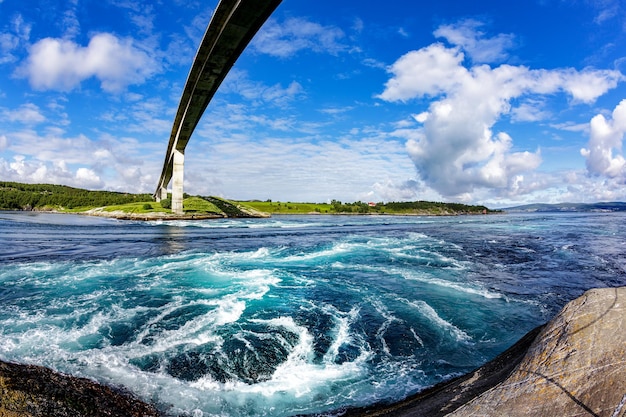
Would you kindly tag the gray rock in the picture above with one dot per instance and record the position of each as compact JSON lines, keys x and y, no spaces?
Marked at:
{"x":575,"y":367}
{"x":36,"y":391}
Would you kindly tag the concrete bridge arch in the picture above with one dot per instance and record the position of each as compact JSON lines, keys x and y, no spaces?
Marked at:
{"x":232,"y":27}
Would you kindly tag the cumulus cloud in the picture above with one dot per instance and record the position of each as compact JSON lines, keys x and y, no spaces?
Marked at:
{"x":23,"y":169}
{"x":117,"y":163}
{"x":88,"y":178}
{"x":604,"y":155}
{"x":296,"y":34}
{"x":456,"y":151}
{"x":59,"y":64}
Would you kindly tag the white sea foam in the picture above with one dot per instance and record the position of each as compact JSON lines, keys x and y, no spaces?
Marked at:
{"x":427,"y":278}
{"x":467,"y":288}
{"x":336,"y":249}
{"x":430,"y":313}
{"x":389,"y":319}
{"x":341,"y":333}
{"x":417,"y":338}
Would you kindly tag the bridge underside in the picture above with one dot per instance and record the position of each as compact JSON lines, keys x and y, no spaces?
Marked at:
{"x":232,"y":27}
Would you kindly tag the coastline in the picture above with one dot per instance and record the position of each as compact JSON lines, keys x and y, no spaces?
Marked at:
{"x":122,"y":215}
{"x":160,"y":216}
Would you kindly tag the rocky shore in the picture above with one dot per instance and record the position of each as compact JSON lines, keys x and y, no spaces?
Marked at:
{"x":573,"y":366}
{"x":35,"y":391}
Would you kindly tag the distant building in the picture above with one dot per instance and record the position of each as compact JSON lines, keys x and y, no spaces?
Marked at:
{"x":371,"y":204}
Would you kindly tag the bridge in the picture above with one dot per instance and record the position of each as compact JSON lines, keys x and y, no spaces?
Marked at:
{"x":232,"y":27}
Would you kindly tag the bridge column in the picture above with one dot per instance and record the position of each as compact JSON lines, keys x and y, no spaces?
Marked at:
{"x":161,"y":194}
{"x":177,"y":182}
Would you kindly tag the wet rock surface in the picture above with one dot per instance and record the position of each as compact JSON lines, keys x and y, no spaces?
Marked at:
{"x":35,"y":391}
{"x":575,"y":367}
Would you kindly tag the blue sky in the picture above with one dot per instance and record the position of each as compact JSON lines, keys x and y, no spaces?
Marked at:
{"x":483,"y":102}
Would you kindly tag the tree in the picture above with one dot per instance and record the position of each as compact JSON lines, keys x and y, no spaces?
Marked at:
{"x":166,"y":203}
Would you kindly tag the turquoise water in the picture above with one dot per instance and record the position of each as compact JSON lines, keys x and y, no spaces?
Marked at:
{"x":293,"y":314}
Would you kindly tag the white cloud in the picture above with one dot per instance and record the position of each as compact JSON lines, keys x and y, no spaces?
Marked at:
{"x":571,"y":126}
{"x":296,"y":34}
{"x":587,"y":85}
{"x":238,"y":82}
{"x":23,"y":169}
{"x":11,"y":41}
{"x":8,"y":43}
{"x":58,"y":64}
{"x":604,"y":153}
{"x":146,"y":115}
{"x":480,"y":49}
{"x":117,"y":163}
{"x":28,"y":114}
{"x":195,"y":31}
{"x":88,"y":178}
{"x":4,"y":142}
{"x":429,"y":71}
{"x":235,"y":155}
{"x":456,"y":152}
{"x":607,"y":10}
{"x":70,"y":22}
{"x":529,"y":111}
{"x":336,"y":110}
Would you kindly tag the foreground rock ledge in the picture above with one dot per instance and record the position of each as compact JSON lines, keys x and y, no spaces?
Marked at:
{"x":35,"y":391}
{"x":573,"y":366}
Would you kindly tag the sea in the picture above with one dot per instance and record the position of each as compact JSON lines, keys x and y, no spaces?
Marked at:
{"x":289,"y":315}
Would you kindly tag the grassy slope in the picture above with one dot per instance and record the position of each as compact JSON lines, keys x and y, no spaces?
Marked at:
{"x":190,"y":204}
{"x":288,"y":208}
{"x":422,"y":208}
{"x":17,"y":196}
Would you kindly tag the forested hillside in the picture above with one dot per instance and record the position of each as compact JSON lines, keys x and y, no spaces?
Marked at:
{"x":359,"y":207}
{"x":17,"y":196}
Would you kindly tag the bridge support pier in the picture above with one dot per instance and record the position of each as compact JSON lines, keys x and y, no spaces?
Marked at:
{"x":177,"y":182}
{"x":161,"y":194}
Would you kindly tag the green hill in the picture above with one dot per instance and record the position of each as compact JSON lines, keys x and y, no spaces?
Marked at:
{"x":49,"y":197}
{"x":17,"y":196}
{"x":421,"y":208}
{"x":60,"y":198}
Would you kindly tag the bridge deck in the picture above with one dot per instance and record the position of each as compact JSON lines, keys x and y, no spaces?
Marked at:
{"x":232,"y":27}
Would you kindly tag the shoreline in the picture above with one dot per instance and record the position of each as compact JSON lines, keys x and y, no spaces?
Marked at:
{"x":121,"y":215}
{"x":156,"y":216}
